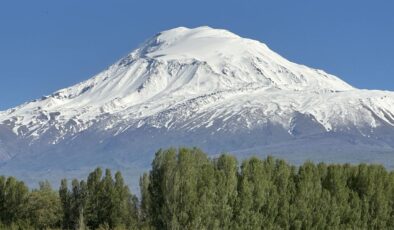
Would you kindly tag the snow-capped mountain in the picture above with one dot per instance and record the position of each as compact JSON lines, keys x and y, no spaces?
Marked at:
{"x":196,"y":87}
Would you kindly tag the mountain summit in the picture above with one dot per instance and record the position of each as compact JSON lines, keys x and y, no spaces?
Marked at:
{"x":202,"y":87}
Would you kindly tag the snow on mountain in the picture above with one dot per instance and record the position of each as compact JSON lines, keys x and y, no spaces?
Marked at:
{"x":205,"y":87}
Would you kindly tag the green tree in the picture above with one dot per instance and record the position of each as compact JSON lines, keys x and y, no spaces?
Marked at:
{"x":182,"y":190}
{"x":126,"y":211}
{"x":44,"y":207}
{"x":65,"y":200}
{"x":93,"y":202}
{"x":14,"y":199}
{"x":307,"y":203}
{"x":145,"y":215}
{"x":226,"y":172}
{"x":255,"y":198}
{"x":163,"y":204}
{"x":283,"y":179}
{"x":108,"y":202}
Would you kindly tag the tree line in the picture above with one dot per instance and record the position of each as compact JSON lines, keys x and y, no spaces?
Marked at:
{"x":186,"y":189}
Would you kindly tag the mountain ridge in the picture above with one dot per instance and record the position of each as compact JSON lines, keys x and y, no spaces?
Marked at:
{"x":195,"y":87}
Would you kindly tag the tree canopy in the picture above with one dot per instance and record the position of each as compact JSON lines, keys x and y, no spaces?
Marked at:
{"x":186,"y":189}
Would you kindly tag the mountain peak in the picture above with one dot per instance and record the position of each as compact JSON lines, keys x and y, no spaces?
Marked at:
{"x":181,"y":64}
{"x":232,"y":59}
{"x":201,"y":32}
{"x":188,"y":87}
{"x":183,"y":34}
{"x":181,"y":42}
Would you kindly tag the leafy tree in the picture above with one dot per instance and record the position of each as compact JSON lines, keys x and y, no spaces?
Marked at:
{"x":65,"y":200}
{"x":145,"y":214}
{"x":307,"y":200}
{"x":44,"y":207}
{"x":126,"y":210}
{"x":108,"y":202}
{"x":226,"y":173}
{"x":93,"y":202}
{"x":254,"y":190}
{"x":284,"y":181}
{"x":13,"y":201}
{"x":163,"y":204}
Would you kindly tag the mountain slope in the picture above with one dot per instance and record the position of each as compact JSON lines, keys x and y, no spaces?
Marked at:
{"x":203,"y":87}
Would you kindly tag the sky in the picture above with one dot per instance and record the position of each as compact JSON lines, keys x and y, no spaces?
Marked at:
{"x":46,"y":45}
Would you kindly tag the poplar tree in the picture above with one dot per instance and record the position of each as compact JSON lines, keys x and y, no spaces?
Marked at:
{"x":226,"y":173}
{"x":254,"y":187}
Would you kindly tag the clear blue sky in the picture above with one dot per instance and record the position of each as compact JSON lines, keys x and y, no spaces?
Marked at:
{"x":46,"y":45}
